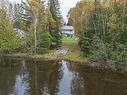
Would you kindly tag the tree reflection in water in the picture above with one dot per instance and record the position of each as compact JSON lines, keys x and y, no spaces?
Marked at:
{"x":37,"y":77}
{"x":47,"y":78}
{"x":21,"y":86}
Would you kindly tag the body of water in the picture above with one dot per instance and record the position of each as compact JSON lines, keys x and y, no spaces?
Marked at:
{"x":32,"y":77}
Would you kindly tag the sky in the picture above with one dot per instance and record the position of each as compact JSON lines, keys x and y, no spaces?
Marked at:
{"x":65,"y":6}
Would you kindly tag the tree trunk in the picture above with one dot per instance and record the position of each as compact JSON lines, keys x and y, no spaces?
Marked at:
{"x":35,"y":31}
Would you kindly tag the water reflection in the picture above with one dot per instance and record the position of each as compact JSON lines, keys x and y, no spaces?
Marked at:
{"x":65,"y":82}
{"x":34,"y":77}
{"x":8,"y":73}
{"x":21,"y":86}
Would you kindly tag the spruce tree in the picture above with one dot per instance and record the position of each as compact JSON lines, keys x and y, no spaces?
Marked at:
{"x":8,"y":38}
{"x":54,"y":7}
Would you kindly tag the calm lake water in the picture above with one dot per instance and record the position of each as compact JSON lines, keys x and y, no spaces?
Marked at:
{"x":31,"y":77}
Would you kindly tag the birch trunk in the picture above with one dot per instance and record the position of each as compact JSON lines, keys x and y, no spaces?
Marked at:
{"x":35,"y":31}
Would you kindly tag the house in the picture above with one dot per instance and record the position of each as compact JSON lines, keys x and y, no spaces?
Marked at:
{"x":68,"y":31}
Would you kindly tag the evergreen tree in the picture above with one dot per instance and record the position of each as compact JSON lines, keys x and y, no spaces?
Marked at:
{"x":34,"y":12}
{"x":44,"y":42}
{"x":54,"y":7}
{"x":8,"y":38}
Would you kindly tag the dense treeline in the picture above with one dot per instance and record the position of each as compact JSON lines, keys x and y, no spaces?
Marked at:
{"x":35,"y":24}
{"x":102,"y":28}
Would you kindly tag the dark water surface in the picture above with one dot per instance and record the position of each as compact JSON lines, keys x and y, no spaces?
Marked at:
{"x":30,"y":77}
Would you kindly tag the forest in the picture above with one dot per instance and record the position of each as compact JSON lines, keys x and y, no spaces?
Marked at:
{"x":34,"y":27}
{"x":37,"y":25}
{"x":101,"y":26}
{"x":42,"y":53}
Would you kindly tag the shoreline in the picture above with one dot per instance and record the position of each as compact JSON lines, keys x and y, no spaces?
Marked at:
{"x":47,"y":57}
{"x":70,"y":58}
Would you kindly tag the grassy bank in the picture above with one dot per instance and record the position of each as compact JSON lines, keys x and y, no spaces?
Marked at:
{"x":70,"y":56}
{"x":47,"y":56}
{"x":69,"y":41}
{"x":73,"y":55}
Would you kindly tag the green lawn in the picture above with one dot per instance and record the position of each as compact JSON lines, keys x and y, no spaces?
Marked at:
{"x":69,"y":41}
